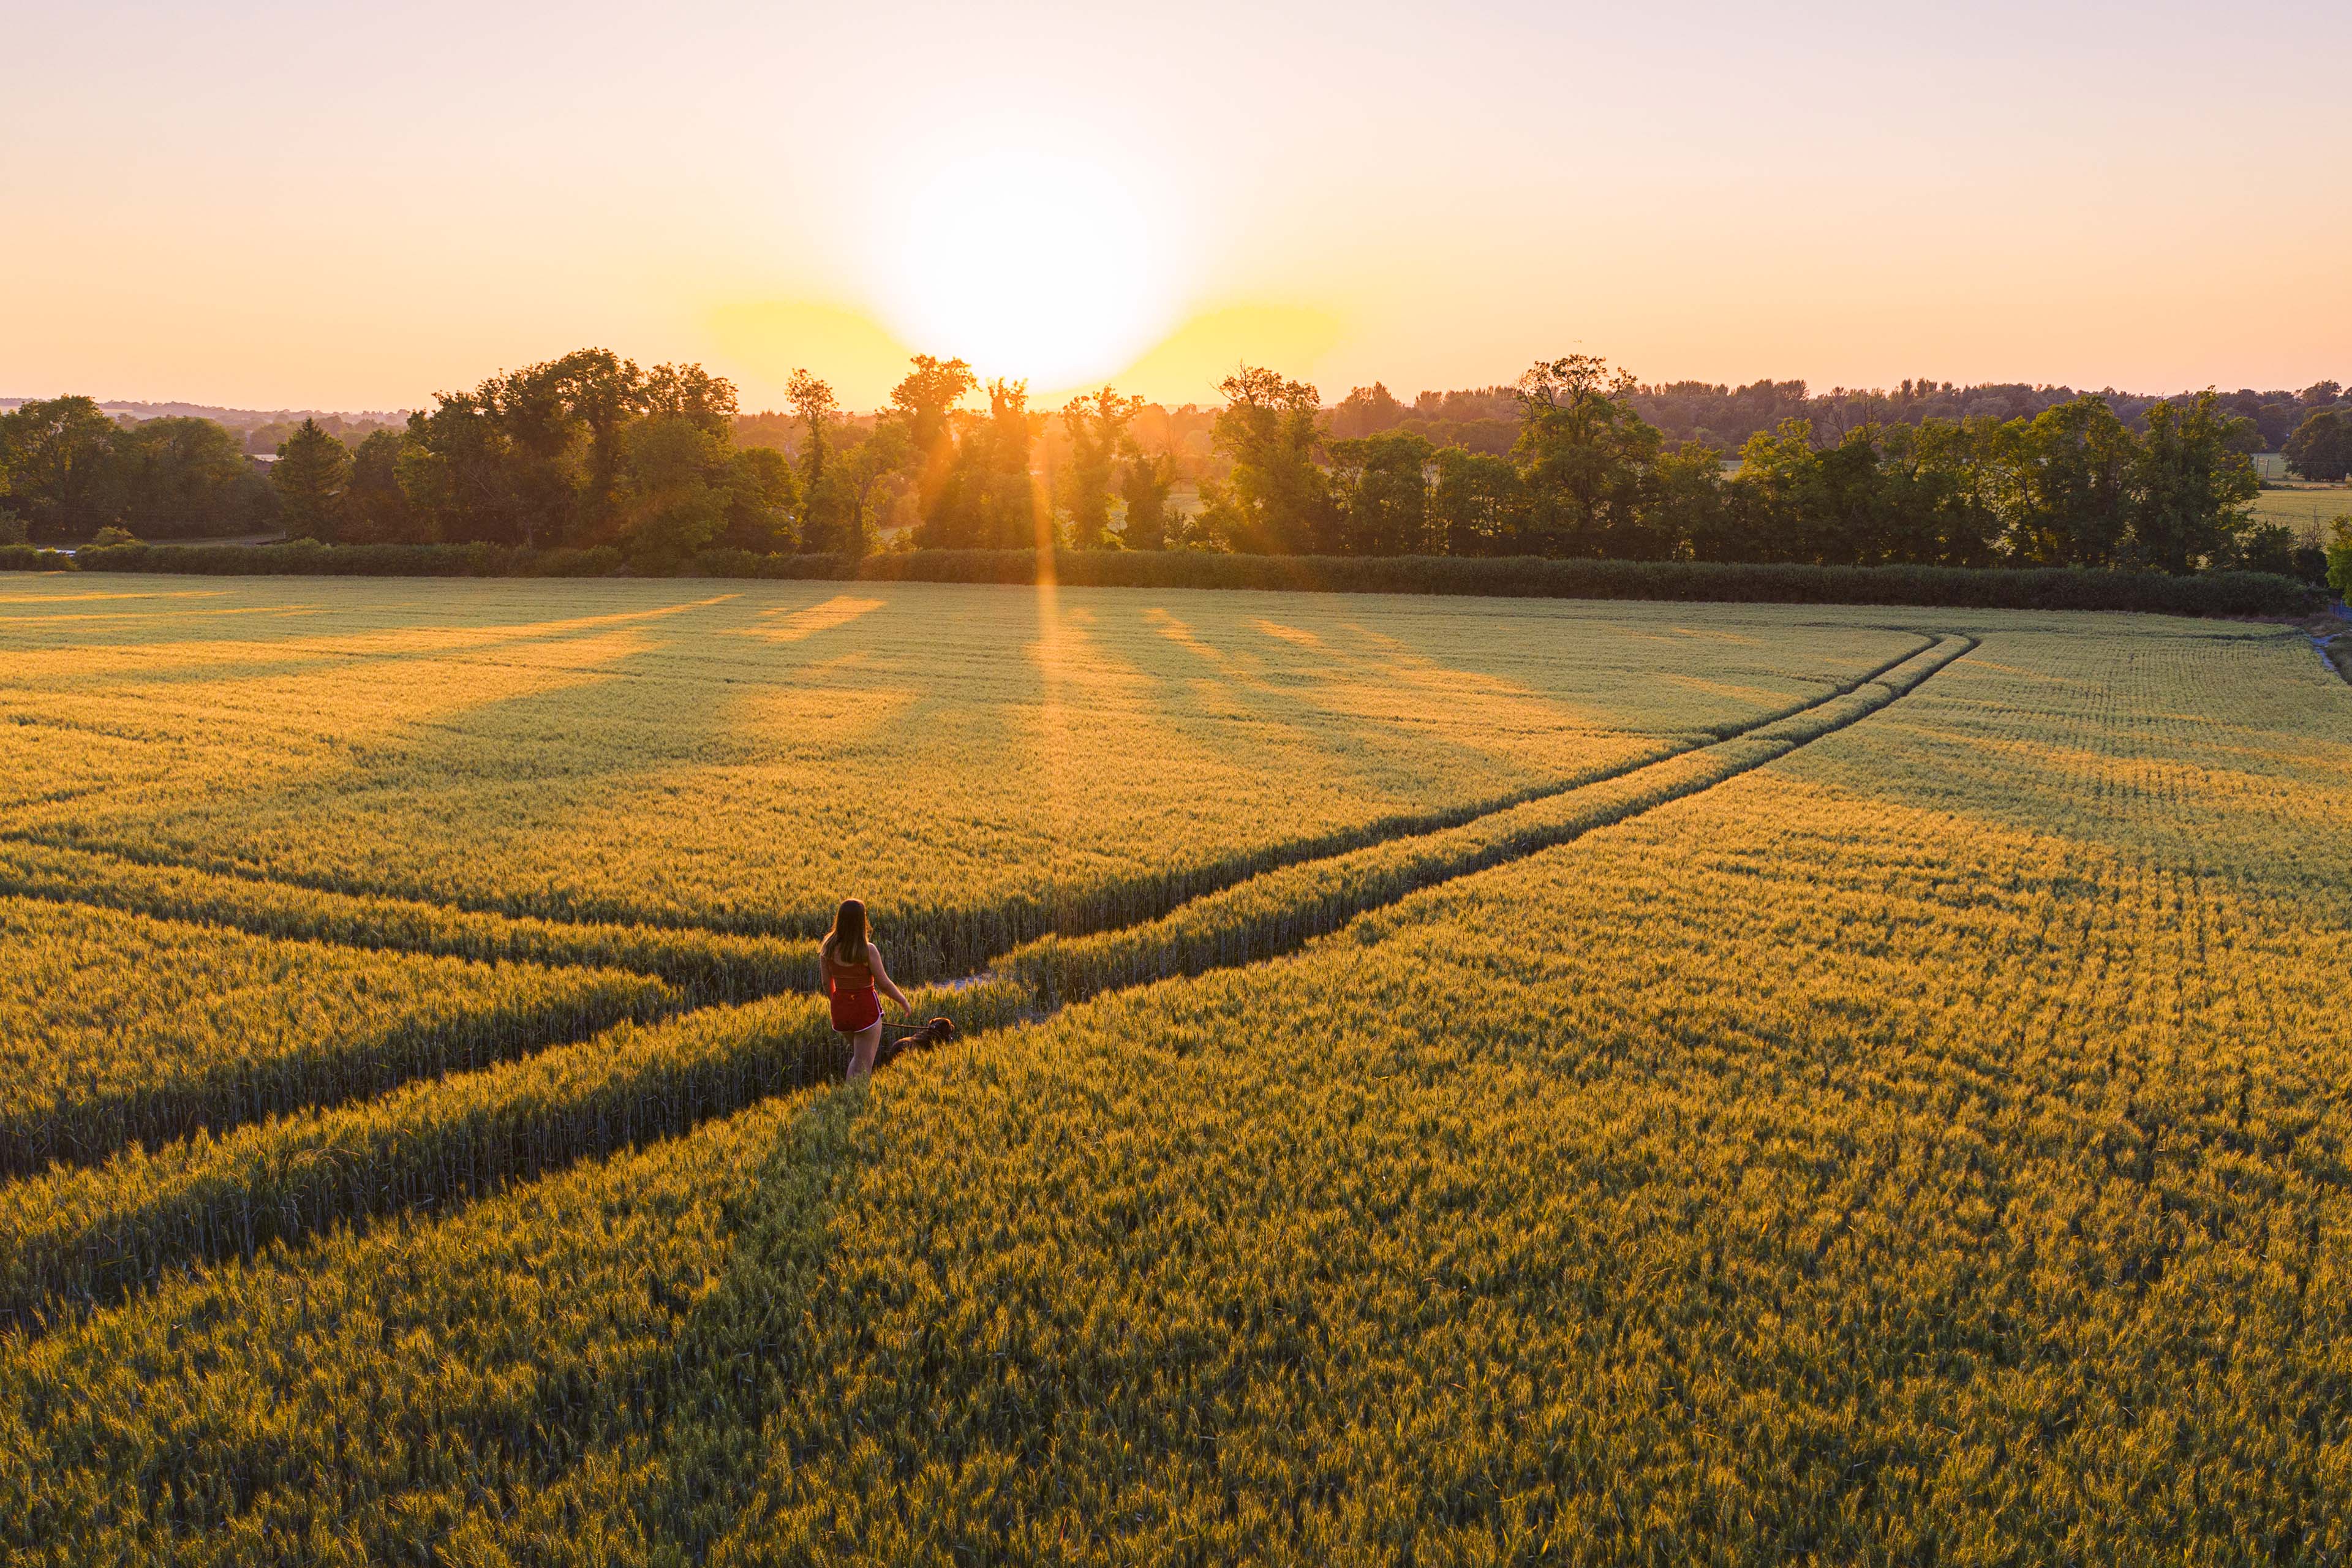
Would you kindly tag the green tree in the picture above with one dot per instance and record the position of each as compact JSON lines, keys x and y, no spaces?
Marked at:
{"x":187,"y":479}
{"x":2191,"y":486}
{"x":59,"y":455}
{"x":874,"y":474}
{"x":1691,"y":504}
{"x":1366,"y":411}
{"x":540,"y":429}
{"x":670,"y":505}
{"x":1939,"y":493}
{"x":312,"y":471}
{"x":1276,"y":500}
{"x":988,"y":501}
{"x":603,"y":393}
{"x":2321,"y":447}
{"x":925,"y":400}
{"x":1381,"y":485}
{"x":762,"y":497}
{"x":454,"y":471}
{"x":828,"y":526}
{"x":375,"y":510}
{"x":1584,"y":458}
{"x":1096,"y":424}
{"x":2339,"y":556}
{"x":1145,"y":479}
{"x":2066,"y":476}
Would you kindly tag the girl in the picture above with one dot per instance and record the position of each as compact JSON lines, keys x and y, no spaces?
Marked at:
{"x":852,"y":968}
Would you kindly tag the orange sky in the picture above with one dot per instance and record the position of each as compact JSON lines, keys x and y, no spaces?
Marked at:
{"x":274,"y":205}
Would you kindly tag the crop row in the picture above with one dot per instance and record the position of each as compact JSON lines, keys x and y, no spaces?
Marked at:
{"x":76,"y":1237}
{"x":117,"y":1029}
{"x":346,"y":1403}
{"x":1281,"y":911}
{"x":703,"y":966}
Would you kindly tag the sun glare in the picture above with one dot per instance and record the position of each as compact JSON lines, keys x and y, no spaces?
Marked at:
{"x":1036,"y":265}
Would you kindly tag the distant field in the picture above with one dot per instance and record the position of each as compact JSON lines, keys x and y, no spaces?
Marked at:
{"x":2306,"y":509}
{"x":1462,"y":1081}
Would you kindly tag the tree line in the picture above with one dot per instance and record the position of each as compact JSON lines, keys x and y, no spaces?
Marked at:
{"x":590,"y":452}
{"x":1585,"y":475}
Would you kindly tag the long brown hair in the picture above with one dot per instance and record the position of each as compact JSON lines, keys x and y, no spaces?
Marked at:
{"x":848,"y":934}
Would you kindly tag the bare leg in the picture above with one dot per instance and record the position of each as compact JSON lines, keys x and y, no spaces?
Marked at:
{"x":863,"y":1045}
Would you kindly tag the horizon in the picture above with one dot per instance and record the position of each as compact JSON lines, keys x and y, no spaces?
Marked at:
{"x":1331,"y":399}
{"x":357,"y":211}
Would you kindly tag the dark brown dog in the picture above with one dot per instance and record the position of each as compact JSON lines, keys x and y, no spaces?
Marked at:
{"x":937,"y":1032}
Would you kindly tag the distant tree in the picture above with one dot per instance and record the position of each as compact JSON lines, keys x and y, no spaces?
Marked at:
{"x":1096,"y":424}
{"x":2321,"y":447}
{"x":1367,"y":410}
{"x":1145,"y":479}
{"x":177,"y":477}
{"x":2321,"y":393}
{"x":876,"y":474}
{"x":2265,"y":547}
{"x":57,"y":454}
{"x":312,"y":471}
{"x":1381,"y":485}
{"x":539,"y":428}
{"x":988,"y":501}
{"x":761,"y":501}
{"x":2067,"y":473}
{"x":1691,"y":505}
{"x":2190,"y":489}
{"x":375,"y":510}
{"x":2339,"y":556}
{"x":11,"y":528}
{"x":1584,"y":458}
{"x":925,"y":400}
{"x":603,"y":393}
{"x":454,"y":472}
{"x":1821,"y":505}
{"x":1276,"y":500}
{"x":826,"y":525}
{"x":670,"y":506}
{"x":688,"y":392}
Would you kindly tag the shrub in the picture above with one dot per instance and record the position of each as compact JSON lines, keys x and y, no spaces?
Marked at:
{"x":2039,"y":588}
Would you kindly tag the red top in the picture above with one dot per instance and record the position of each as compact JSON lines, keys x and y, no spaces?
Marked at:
{"x":855,"y":1004}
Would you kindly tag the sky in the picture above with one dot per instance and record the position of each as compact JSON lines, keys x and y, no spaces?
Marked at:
{"x":354,"y":207}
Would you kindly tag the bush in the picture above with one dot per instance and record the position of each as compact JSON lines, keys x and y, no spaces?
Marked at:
{"x":33,"y":558}
{"x":2049,"y":588}
{"x":12,"y":528}
{"x":109,"y":536}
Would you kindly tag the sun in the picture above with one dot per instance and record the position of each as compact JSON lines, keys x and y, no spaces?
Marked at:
{"x":1028,"y":263}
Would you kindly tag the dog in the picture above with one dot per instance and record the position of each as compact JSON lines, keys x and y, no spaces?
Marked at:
{"x":937,"y":1032}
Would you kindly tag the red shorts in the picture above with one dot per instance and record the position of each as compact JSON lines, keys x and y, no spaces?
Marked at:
{"x":856,"y":1010}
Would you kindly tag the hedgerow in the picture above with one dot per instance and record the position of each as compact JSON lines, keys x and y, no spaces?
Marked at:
{"x":2025,"y":589}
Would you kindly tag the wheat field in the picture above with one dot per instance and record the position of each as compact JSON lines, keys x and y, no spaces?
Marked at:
{"x":1442,"y":1082}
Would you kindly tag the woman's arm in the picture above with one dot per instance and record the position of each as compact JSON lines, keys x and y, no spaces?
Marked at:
{"x":882,"y":979}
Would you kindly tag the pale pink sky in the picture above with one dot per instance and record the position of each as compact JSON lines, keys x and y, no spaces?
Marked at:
{"x":278,"y":206}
